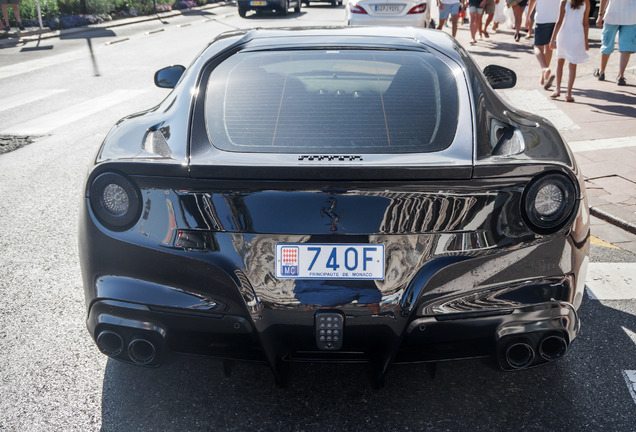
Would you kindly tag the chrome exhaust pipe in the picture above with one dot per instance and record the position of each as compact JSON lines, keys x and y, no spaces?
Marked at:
{"x":519,"y":355}
{"x":110,"y":343}
{"x":552,"y":347}
{"x":141,"y":351}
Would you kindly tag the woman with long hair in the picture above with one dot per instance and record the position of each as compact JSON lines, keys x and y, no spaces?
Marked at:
{"x":571,"y":42}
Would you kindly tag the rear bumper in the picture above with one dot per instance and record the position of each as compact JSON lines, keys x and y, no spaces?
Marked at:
{"x":367,"y":338}
{"x":414,"y":20}
{"x":447,"y":293}
{"x":268,"y":5}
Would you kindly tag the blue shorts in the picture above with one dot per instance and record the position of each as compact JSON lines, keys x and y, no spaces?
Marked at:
{"x":449,"y":9}
{"x":626,"y":38}
{"x":475,"y":9}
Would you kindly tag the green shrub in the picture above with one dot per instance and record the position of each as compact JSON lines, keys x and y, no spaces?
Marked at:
{"x":29,"y":9}
{"x":70,"y":7}
{"x":98,"y":7}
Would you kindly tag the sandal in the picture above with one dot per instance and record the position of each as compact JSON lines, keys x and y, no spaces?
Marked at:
{"x":555,"y":95}
{"x":549,"y":82}
{"x":597,"y":73}
{"x":517,"y":37}
{"x":621,"y":81}
{"x":569,"y":99}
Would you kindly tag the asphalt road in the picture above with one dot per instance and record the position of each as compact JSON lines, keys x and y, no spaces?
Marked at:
{"x":69,"y":92}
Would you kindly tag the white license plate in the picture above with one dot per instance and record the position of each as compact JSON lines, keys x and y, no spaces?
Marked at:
{"x":388,"y":8}
{"x":329,"y":261}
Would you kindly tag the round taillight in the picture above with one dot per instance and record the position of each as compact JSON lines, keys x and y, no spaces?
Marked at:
{"x":115,"y":201}
{"x":548,"y":202}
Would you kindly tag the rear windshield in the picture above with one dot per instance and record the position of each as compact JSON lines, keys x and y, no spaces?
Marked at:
{"x":332,"y":101}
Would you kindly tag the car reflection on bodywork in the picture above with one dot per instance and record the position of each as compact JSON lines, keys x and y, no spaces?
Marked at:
{"x":334,"y":195}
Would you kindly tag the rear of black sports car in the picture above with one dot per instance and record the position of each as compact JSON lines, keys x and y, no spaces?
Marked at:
{"x":349,"y":195}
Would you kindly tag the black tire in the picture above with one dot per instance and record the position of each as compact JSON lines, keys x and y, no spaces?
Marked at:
{"x":334,"y":2}
{"x":242,"y":12}
{"x":284,"y":11}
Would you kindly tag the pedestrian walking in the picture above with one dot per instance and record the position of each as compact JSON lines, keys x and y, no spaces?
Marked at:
{"x":571,"y":42}
{"x":545,"y":18}
{"x":475,"y":11}
{"x":489,"y":11}
{"x":448,"y":9}
{"x":517,"y":10}
{"x":619,"y":17}
{"x":500,"y":14}
{"x":16,"y":12}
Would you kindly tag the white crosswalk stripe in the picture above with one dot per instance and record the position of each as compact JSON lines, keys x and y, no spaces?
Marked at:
{"x":28,"y":97}
{"x":535,"y":102}
{"x":630,"y":380}
{"x":40,"y":63}
{"x":611,"y":281}
{"x":47,"y":123}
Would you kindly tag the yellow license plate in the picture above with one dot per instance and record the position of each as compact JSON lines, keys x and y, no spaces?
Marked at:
{"x":258,"y":3}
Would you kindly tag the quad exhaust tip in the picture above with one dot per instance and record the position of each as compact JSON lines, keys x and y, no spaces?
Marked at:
{"x":110,"y":343}
{"x":519,"y":355}
{"x":552,"y":347}
{"x":141,"y":351}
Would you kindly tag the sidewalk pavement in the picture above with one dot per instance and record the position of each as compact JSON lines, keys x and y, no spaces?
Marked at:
{"x":600,"y":126}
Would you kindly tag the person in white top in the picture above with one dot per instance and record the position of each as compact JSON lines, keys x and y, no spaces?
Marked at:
{"x":617,"y":17}
{"x":546,"y":16}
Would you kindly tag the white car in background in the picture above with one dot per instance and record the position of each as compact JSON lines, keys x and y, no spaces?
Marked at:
{"x":415,"y":13}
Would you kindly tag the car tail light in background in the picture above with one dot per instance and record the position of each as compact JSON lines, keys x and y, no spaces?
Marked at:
{"x":356,"y":9}
{"x":420,"y":8}
{"x":115,"y":201}
{"x":548,"y":202}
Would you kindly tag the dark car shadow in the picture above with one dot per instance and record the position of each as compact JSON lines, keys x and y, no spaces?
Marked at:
{"x":192,"y":394}
{"x":272,"y":14}
{"x":89,"y":36}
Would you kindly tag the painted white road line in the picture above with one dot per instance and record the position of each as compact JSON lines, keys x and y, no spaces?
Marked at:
{"x":612,"y":281}
{"x":536,"y":102}
{"x":602,"y":144}
{"x":28,"y":97}
{"x":46,"y":123}
{"x":630,"y":380}
{"x":41,"y":63}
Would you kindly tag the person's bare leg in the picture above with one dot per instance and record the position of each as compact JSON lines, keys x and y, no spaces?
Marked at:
{"x":454,"y":20}
{"x":604,"y":61}
{"x":5,"y":14}
{"x":539,"y":52}
{"x":623,"y":63}
{"x":559,"y":75}
{"x":571,"y":76}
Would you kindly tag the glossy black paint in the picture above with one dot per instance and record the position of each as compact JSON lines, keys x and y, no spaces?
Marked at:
{"x":466,"y":275}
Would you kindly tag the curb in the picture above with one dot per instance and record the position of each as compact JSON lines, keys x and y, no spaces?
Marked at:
{"x":30,"y":36}
{"x":616,"y":221}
